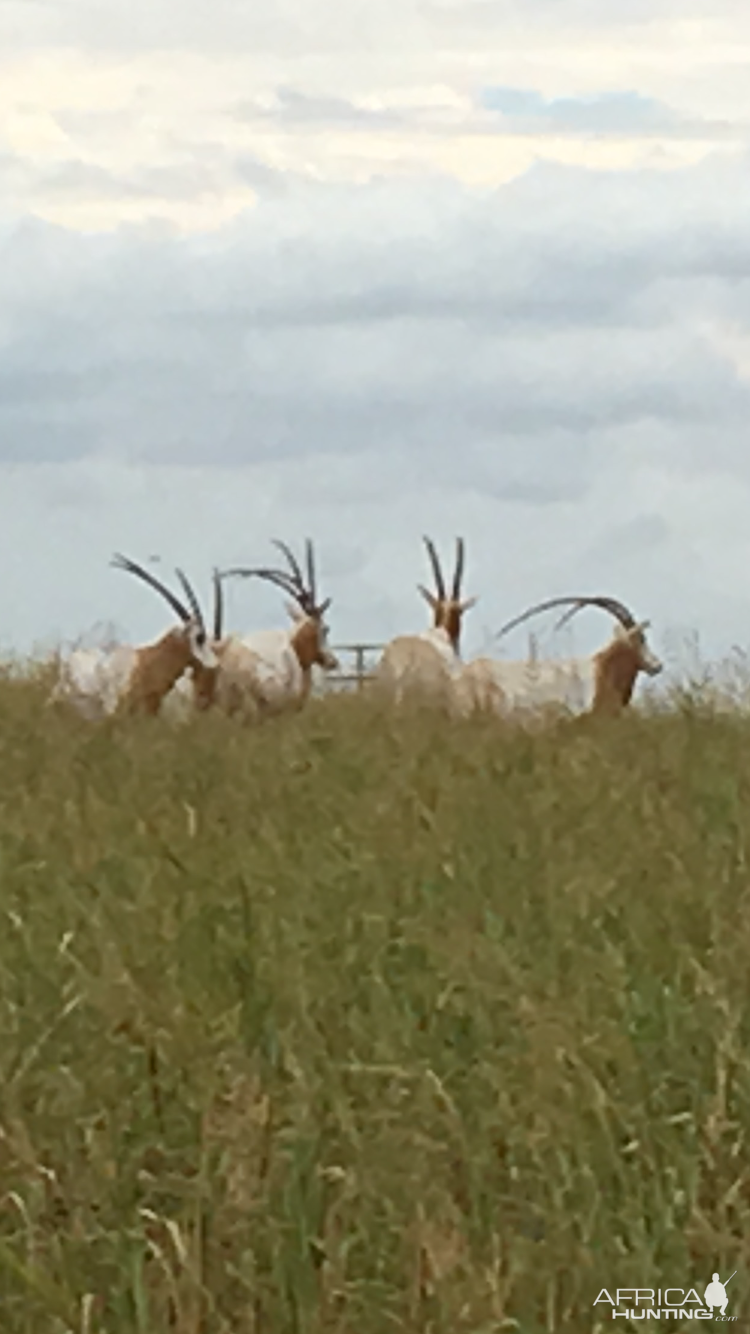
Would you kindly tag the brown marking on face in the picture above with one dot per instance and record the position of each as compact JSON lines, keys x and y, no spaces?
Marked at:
{"x":447,"y":614}
{"x":448,"y":617}
{"x":306,"y":643}
{"x":311,"y":651}
{"x":205,"y":680}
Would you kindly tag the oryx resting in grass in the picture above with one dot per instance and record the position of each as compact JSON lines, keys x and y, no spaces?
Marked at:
{"x":601,"y":683}
{"x":424,"y":664}
{"x":270,"y":671}
{"x":100,"y":682}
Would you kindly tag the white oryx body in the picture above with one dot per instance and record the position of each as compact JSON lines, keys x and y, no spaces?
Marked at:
{"x":601,"y":683}
{"x":261,"y":673}
{"x":513,"y":687}
{"x":424,"y":665}
{"x":269,"y":671}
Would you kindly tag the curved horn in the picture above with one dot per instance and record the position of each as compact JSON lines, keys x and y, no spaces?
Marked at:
{"x":615,"y":608}
{"x":120,"y":562}
{"x":437,"y":572}
{"x":283,"y":581}
{"x":612,"y":605}
{"x":296,"y":571}
{"x":278,"y":577}
{"x":618,"y":609}
{"x":218,"y":605}
{"x":192,"y":599}
{"x":459,"y":571}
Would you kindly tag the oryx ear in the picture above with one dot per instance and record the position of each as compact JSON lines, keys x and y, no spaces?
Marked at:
{"x":429,"y":597}
{"x":467,"y":604}
{"x":323,"y":608}
{"x":293,"y":611}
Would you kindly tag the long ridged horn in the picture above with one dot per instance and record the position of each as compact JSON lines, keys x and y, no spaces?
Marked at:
{"x":192,"y":599}
{"x":278,"y":577}
{"x":612,"y":605}
{"x":120,"y":562}
{"x":294,"y":565}
{"x":310,"y":571}
{"x":283,"y":581}
{"x":459,"y":570}
{"x":615,"y":608}
{"x":437,"y":572}
{"x":218,"y":605}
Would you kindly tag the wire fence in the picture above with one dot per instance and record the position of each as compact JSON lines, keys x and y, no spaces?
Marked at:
{"x":358,"y":663}
{"x":357,"y":666}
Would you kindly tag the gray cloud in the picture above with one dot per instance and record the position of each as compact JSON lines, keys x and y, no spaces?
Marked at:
{"x":261,"y":178}
{"x":532,"y":366}
{"x":296,"y":109}
{"x":499,"y":110}
{"x":432,"y":319}
{"x":187,"y":177}
{"x":83,"y":180}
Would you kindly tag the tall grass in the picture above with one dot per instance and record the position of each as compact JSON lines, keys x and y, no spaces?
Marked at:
{"x":359,"y":1023}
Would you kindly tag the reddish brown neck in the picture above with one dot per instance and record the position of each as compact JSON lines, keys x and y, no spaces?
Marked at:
{"x":159,"y":666}
{"x":616,"y":671}
{"x":306,"y":643}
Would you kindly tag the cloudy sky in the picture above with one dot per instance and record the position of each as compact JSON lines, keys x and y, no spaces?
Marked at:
{"x":365,"y":271}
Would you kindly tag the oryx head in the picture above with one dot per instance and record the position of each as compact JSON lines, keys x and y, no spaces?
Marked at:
{"x":447,"y":609}
{"x":193,"y":628}
{"x":305,"y":610}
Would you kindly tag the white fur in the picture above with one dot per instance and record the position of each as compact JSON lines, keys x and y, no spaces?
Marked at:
{"x":513,"y":687}
{"x":440,"y":640}
{"x":93,"y":680}
{"x":260,"y":673}
{"x":178,"y":706}
{"x":426,"y":663}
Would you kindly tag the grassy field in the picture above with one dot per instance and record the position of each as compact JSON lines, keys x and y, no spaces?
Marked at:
{"x":361,"y":1024}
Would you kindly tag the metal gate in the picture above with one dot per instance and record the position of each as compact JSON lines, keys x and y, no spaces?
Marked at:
{"x":357,"y":666}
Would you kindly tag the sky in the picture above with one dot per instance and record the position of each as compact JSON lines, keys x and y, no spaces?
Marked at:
{"x":362,"y":272}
